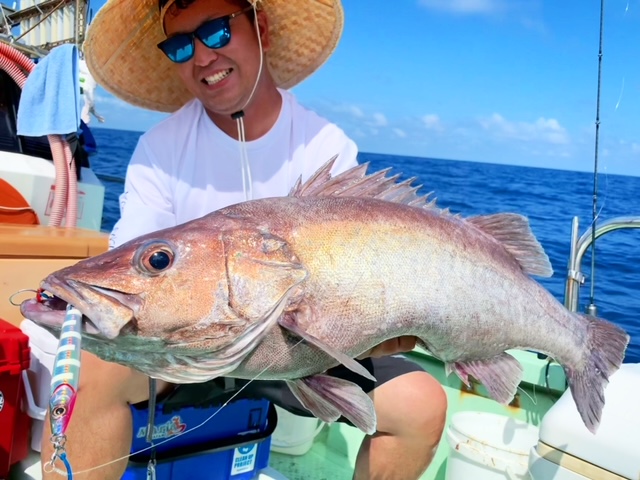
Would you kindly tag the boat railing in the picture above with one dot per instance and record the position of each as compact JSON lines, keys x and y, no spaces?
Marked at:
{"x":579,"y":246}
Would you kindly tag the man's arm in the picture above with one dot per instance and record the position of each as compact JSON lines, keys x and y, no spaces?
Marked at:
{"x":146,"y":203}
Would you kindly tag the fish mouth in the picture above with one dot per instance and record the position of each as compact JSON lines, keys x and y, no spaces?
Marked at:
{"x":105,"y":312}
{"x":50,"y":313}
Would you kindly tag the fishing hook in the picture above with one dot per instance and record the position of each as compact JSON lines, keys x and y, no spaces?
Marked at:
{"x":40,"y":295}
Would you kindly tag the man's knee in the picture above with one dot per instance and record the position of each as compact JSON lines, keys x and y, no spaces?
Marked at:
{"x":432,"y":417}
{"x":412,"y":405}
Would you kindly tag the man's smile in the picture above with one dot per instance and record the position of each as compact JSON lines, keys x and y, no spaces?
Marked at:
{"x":218,"y":76}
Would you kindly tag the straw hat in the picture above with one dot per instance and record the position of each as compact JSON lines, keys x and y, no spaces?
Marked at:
{"x":121,"y":53}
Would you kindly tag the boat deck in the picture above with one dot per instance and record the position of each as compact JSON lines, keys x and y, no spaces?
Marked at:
{"x":334,"y":451}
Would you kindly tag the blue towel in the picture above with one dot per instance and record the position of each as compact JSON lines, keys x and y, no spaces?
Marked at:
{"x":50,"y":100}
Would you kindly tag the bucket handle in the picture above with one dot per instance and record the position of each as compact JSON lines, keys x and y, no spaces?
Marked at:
{"x":33,"y":410}
{"x":487,"y":459}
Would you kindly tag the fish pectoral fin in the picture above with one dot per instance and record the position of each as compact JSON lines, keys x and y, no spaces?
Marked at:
{"x":500,"y":375}
{"x":288,"y":322}
{"x":328,"y":398}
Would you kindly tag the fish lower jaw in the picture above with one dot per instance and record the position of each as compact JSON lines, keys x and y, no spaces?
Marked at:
{"x":42,"y":314}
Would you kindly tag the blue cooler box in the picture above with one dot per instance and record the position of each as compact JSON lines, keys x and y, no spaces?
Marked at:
{"x":234,"y":444}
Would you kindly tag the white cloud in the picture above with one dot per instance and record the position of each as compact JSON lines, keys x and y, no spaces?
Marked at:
{"x":545,"y":130}
{"x":353,"y":114}
{"x":379,"y":120}
{"x":358,"y":132}
{"x":528,"y":13}
{"x":351,"y":110}
{"x":400,"y":133}
{"x":432,"y":122}
{"x":465,"y":7}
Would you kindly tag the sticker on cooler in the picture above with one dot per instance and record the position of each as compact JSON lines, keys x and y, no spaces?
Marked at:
{"x":1,"y":401}
{"x":244,"y":459}
{"x":170,"y":428}
{"x":52,"y":193}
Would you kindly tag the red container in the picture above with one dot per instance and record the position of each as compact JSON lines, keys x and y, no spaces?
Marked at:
{"x":15,"y":357}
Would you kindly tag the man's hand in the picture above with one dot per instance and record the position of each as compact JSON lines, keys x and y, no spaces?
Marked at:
{"x":391,"y":347}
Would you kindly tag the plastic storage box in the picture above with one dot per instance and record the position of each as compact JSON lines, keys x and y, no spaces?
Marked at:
{"x":43,"y":346}
{"x":197,"y":443}
{"x":14,"y":421}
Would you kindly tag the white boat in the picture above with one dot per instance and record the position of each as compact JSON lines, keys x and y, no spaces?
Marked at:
{"x":538,"y":436}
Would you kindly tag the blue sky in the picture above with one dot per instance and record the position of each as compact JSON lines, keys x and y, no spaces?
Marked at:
{"x":502,"y":81}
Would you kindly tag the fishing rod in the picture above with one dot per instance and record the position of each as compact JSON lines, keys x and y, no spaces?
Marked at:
{"x":591,"y":308}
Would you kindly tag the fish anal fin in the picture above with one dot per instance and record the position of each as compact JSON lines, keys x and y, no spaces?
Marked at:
{"x":288,"y":322}
{"x":514,"y":233}
{"x":328,"y":398}
{"x":500,"y":375}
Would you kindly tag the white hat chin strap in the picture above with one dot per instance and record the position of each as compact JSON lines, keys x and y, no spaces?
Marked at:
{"x":247,"y":184}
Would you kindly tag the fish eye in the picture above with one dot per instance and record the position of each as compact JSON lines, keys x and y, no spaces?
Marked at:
{"x":154,"y":258}
{"x":159,"y":260}
{"x":58,"y":412}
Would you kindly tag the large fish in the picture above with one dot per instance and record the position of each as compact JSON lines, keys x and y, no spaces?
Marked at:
{"x":286,"y":288}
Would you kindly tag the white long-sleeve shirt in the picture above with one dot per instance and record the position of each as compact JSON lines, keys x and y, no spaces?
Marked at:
{"x":186,"y":167}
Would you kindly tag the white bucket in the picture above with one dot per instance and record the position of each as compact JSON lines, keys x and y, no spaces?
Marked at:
{"x":294,"y":435}
{"x":485,"y":446}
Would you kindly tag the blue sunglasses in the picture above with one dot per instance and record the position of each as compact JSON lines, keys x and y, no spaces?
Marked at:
{"x":214,"y":33}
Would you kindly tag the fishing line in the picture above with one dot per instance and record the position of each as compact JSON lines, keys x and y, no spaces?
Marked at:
{"x":155,"y":445}
{"x":533,"y":399}
{"x":621,"y":94}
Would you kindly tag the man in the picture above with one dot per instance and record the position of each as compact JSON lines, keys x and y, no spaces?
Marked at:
{"x":87,"y":88}
{"x":237,"y":135}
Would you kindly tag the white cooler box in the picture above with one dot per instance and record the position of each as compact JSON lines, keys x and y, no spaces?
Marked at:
{"x":568,"y":451}
{"x":38,"y":387}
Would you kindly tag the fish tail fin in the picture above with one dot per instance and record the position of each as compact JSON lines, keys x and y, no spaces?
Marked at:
{"x":605,"y":350}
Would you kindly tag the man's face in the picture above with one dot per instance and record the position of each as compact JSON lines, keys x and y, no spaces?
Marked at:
{"x":221,"y":78}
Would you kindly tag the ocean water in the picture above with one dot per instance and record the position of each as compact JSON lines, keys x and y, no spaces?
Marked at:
{"x":549,"y":198}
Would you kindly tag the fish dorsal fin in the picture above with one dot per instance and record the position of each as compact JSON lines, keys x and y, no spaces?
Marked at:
{"x":514,"y":233}
{"x":356,"y":183}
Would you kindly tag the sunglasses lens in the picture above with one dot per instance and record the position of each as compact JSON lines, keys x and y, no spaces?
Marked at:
{"x":216,"y":33}
{"x":179,"y":48}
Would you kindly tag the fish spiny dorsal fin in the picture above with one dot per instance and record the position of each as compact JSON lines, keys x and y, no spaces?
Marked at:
{"x":513,"y":231}
{"x":355,"y":183}
{"x":322,"y":184}
{"x":321,"y":176}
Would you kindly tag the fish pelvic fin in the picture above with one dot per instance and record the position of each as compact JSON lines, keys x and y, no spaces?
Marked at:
{"x":288,"y":322}
{"x":514,"y":233}
{"x":605,"y":351}
{"x":500,"y":375}
{"x":356,"y":183}
{"x":328,"y":398}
